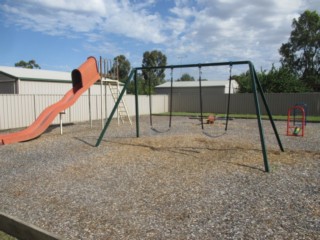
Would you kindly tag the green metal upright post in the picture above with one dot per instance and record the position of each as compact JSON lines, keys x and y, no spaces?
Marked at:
{"x":269,"y":112}
{"x":114,"y":108}
{"x":228,"y":104}
{"x":200,"y":94}
{"x":136,"y":103}
{"x":258,"y":112}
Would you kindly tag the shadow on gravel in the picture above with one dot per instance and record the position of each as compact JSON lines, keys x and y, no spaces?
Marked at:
{"x":86,"y":142}
{"x":194,"y":151}
{"x":52,"y":127}
{"x":246,"y":166}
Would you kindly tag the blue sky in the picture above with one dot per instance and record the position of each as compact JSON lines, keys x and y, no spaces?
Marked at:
{"x":61,"y":34}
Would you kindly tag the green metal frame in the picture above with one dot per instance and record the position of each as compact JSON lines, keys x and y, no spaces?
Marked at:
{"x":256,"y":87}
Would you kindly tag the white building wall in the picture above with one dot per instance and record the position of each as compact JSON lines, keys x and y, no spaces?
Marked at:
{"x":37,"y":87}
{"x":234,"y":87}
{"x":42,"y":87}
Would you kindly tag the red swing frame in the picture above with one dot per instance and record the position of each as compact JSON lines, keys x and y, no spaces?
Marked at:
{"x":294,"y":129}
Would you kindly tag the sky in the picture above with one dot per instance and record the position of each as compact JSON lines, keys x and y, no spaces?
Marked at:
{"x":61,"y":34}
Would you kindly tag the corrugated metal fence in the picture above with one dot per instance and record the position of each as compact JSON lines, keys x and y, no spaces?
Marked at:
{"x":21,"y":110}
{"x":243,"y":103}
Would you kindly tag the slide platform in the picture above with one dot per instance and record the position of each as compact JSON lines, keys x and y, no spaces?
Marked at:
{"x":82,"y":79}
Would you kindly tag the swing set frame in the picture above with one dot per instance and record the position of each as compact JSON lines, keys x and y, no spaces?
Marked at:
{"x":256,"y":88}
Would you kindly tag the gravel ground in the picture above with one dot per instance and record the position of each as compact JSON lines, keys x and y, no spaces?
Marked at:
{"x":178,"y":184}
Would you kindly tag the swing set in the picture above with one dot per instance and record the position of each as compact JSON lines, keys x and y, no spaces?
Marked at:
{"x":256,"y":87}
{"x":210,"y":119}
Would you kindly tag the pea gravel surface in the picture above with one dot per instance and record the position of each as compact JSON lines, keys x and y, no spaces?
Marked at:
{"x":184,"y":183}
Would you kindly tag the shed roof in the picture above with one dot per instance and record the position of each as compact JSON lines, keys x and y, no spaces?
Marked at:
{"x":213,"y":83}
{"x":35,"y":74}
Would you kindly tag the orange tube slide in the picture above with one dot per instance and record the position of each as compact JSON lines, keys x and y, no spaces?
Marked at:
{"x":82,"y":79}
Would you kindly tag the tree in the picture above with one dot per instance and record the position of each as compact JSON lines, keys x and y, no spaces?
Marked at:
{"x":301,"y":54}
{"x":31,"y":64}
{"x":140,"y":82}
{"x":123,"y":69}
{"x":275,"y":81}
{"x":281,"y":80}
{"x":244,"y":82}
{"x":186,"y":77}
{"x":153,"y":76}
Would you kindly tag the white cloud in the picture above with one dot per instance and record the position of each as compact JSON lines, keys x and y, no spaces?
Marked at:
{"x":231,"y":29}
{"x":103,"y":49}
{"x":141,"y":26}
{"x":58,"y":22}
{"x":62,"y":17}
{"x":204,"y":30}
{"x":92,"y":6}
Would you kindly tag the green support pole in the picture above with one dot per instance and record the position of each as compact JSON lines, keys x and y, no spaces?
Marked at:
{"x":200,"y":94}
{"x":114,"y":108}
{"x":136,"y":103}
{"x":258,"y":112}
{"x":269,"y":113}
{"x":228,"y":104}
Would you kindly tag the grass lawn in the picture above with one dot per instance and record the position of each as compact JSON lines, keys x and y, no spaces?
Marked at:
{"x":242,"y":116}
{"x":4,"y":236}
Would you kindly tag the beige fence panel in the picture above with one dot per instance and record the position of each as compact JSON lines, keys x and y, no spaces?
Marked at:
{"x":17,"y":111}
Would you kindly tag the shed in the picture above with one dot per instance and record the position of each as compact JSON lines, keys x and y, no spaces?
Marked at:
{"x":15,"y":80}
{"x":192,"y":87}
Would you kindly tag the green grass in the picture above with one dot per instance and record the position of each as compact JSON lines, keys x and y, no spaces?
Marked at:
{"x":4,"y":236}
{"x":240,"y":116}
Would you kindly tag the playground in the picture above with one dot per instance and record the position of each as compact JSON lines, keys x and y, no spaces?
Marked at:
{"x":185,"y":183}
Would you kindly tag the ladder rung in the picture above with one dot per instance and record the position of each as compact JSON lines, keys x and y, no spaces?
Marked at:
{"x":122,"y":109}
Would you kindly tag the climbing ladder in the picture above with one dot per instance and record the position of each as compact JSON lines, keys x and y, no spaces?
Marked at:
{"x":109,"y":72}
{"x":122,"y":112}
